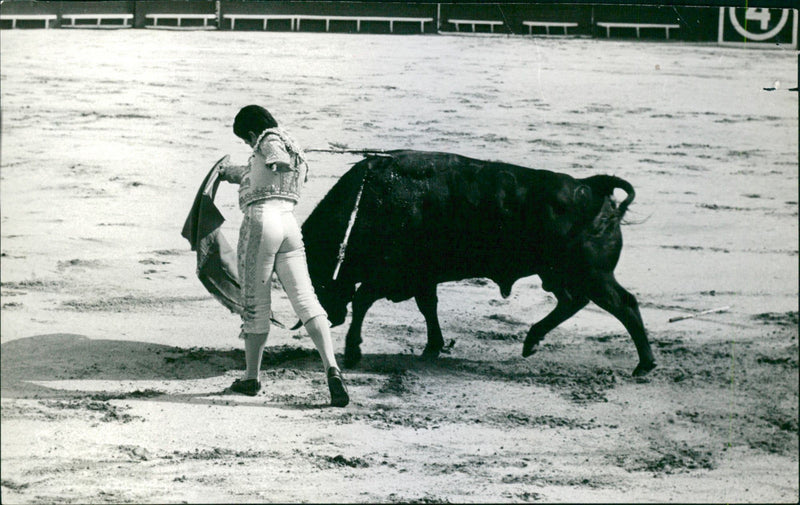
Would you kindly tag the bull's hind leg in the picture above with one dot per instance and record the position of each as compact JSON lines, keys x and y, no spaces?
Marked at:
{"x":567,"y":307}
{"x":363,"y":299}
{"x":610,"y":296}
{"x":427,"y":302}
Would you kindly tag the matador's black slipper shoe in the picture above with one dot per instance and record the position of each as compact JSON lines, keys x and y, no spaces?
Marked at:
{"x":249,"y":387}
{"x":339,"y":396}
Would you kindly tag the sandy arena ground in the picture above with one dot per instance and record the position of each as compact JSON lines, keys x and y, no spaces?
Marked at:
{"x":115,"y":360}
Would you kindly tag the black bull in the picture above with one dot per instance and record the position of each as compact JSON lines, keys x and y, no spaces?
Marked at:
{"x":426,"y":218}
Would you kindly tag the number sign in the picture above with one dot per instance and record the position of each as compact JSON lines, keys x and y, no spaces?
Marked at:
{"x":743,"y":26}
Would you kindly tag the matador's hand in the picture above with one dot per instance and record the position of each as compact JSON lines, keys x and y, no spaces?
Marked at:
{"x":222,"y":167}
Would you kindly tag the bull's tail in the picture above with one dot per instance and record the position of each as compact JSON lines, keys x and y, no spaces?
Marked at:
{"x":606,"y":184}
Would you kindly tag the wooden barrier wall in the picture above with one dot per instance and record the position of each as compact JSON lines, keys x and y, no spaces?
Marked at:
{"x":723,"y":25}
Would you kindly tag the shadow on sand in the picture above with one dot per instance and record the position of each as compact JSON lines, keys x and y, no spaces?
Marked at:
{"x":75,"y":357}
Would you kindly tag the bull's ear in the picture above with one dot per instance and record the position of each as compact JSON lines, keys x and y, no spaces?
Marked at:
{"x":582,"y":196}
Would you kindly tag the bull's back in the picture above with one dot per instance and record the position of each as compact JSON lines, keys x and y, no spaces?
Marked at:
{"x":437,"y":217}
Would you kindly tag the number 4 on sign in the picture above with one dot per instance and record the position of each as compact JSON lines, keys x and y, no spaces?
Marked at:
{"x":762,"y":15}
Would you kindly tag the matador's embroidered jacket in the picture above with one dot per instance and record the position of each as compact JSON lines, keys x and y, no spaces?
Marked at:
{"x":276,"y":169}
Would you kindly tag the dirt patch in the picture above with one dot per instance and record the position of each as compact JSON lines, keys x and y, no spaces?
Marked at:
{"x":503,"y":337}
{"x":399,"y":383}
{"x":147,"y":393}
{"x":81,"y":408}
{"x":279,"y":355}
{"x":107,"y":411}
{"x":667,"y":458}
{"x":340,"y":460}
{"x":580,"y":383}
{"x":129,"y":303}
{"x":170,"y":252}
{"x":13,"y":485}
{"x":780,"y":319}
{"x":504,"y":318}
{"x":218,"y":453}
{"x":79,"y":263}
{"x":386,"y":417}
{"x":153,"y":261}
{"x":33,"y":285}
{"x":512,"y":418}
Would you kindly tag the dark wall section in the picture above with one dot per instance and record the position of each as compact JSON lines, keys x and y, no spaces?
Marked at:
{"x":170,"y":7}
{"x":138,"y":8}
{"x":93,"y":7}
{"x":513,"y":16}
{"x":694,"y":24}
{"x":378,"y":9}
{"x":331,"y":8}
{"x":581,"y":14}
{"x":60,"y":8}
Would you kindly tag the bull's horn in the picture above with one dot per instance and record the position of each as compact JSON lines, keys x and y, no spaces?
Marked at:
{"x":297,"y":325}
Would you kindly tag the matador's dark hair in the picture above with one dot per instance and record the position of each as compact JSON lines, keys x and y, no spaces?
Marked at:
{"x":252,"y":118}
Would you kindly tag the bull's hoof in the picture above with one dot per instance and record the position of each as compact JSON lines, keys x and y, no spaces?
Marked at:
{"x":643,"y":369}
{"x":529,"y":348}
{"x":430,"y":353}
{"x":531,"y":344}
{"x":351,"y":359}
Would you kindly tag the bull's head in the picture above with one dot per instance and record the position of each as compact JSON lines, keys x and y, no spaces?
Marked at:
{"x":334,"y":300}
{"x":333,"y":295}
{"x":568,"y":206}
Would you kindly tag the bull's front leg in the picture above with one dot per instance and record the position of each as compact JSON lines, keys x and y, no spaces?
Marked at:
{"x":427,"y":302}
{"x":363,"y":299}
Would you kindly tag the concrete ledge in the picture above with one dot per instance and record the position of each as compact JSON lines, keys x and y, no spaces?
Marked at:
{"x":180,"y":17}
{"x":127,"y":20}
{"x":474,"y":22}
{"x":548,"y":24}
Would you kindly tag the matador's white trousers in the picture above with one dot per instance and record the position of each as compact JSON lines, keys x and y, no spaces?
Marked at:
{"x":270,"y":240}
